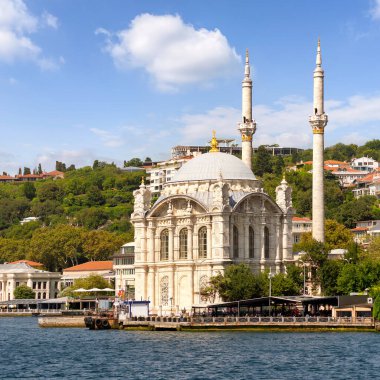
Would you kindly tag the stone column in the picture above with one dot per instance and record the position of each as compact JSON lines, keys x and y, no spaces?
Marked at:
{"x":171,"y":245}
{"x":209,"y":241}
{"x":151,"y":285}
{"x":189,"y":243}
{"x":246,"y":240}
{"x":151,"y":241}
{"x":277,"y":240}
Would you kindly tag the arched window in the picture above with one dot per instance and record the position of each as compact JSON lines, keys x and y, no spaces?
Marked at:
{"x":202,"y":243}
{"x":251,"y":243}
{"x":164,"y":237}
{"x":235,"y":240}
{"x":164,"y":290}
{"x":266,"y":242}
{"x":183,"y":243}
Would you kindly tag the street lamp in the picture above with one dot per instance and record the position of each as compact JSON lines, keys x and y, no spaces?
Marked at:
{"x":270,"y":276}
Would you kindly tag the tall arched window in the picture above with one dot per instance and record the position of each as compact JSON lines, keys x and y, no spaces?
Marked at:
{"x":235,"y":240}
{"x":164,"y":237}
{"x":183,"y":243}
{"x":251,"y":243}
{"x":202,"y":243}
{"x":266,"y":242}
{"x":164,"y":290}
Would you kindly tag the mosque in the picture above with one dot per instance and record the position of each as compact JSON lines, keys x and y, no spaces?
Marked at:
{"x":213,"y":213}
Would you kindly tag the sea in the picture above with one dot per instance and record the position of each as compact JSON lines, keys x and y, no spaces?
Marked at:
{"x":30,"y":352}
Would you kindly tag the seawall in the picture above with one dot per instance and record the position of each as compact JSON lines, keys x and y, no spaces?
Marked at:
{"x":61,"y":321}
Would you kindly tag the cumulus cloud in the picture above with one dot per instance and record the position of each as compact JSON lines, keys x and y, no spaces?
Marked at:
{"x":286,"y":121}
{"x":172,"y":52}
{"x":375,"y":10}
{"x":17,"y":25}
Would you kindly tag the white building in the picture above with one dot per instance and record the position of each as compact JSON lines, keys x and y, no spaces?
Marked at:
{"x":123,"y":265}
{"x":300,"y":226}
{"x":44,"y":284}
{"x":101,"y":268}
{"x":163,"y":172}
{"x":366,"y":164}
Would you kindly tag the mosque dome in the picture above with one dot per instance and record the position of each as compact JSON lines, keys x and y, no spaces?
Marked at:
{"x":210,"y":166}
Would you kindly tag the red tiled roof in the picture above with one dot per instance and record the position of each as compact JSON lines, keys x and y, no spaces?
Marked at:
{"x":91,"y":265}
{"x":359,"y":229}
{"x":55,"y":173}
{"x":29,"y":262}
{"x":301,"y":219}
{"x":6,"y":177}
{"x":335,"y":162}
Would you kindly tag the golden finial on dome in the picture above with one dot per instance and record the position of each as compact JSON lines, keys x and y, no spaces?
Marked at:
{"x":214,"y":143}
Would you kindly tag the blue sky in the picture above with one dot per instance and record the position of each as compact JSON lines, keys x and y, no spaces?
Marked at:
{"x":111,"y":80}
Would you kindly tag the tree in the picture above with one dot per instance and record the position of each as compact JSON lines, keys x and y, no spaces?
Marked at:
{"x":27,"y":171}
{"x":91,"y":218}
{"x":60,"y":166}
{"x":12,"y":211}
{"x":133,"y":162}
{"x":90,"y":282}
{"x":23,"y":292}
{"x":94,"y":196}
{"x":39,"y":170}
{"x":262,"y":161}
{"x":329,"y":273}
{"x":52,"y":191}
{"x":29,"y":190}
{"x":283,"y":285}
{"x":101,"y":245}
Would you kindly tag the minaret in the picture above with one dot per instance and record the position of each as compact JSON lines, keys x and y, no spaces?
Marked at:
{"x":247,"y":126}
{"x":318,"y":121}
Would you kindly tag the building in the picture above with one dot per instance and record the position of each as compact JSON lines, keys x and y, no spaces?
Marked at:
{"x":366,"y":230}
{"x":211,"y":214}
{"x":368,"y":185}
{"x":44,"y":284}
{"x":366,"y":164}
{"x":123,"y":266}
{"x":318,"y":122}
{"x":300,"y":225}
{"x":101,"y":268}
{"x":33,"y":264}
{"x":161,"y":172}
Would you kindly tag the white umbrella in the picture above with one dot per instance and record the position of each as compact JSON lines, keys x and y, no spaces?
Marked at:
{"x":94,"y":290}
{"x":108,"y":290}
{"x":80,"y":290}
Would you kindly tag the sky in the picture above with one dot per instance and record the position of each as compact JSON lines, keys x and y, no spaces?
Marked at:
{"x":111,"y":80}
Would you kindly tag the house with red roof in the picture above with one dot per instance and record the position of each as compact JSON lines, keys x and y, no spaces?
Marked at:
{"x":101,"y":268}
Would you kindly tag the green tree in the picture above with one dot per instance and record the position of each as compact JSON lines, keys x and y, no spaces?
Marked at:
{"x":23,"y":292}
{"x":51,"y":191}
{"x":91,"y":218}
{"x":90,"y":282}
{"x":12,"y":211}
{"x":29,"y":190}
{"x":329,"y":273}
{"x":26,"y":171}
{"x":60,"y":166}
{"x":133,"y":162}
{"x":283,"y":285}
{"x":261,"y":162}
{"x":101,"y":245}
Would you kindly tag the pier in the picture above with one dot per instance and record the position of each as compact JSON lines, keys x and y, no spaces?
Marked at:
{"x":210,"y":323}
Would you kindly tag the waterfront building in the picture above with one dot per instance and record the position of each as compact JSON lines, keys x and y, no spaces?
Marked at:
{"x":212,"y":213}
{"x":123,"y":266}
{"x":44,"y":284}
{"x":101,"y":268}
{"x":318,"y":122}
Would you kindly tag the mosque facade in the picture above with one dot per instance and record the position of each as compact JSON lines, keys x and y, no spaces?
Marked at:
{"x":213,"y":213}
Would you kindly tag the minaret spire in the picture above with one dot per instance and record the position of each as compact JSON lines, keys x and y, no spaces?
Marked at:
{"x":318,"y":122}
{"x":247,"y":126}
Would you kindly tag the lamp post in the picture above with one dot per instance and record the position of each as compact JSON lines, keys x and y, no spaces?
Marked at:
{"x":270,"y":276}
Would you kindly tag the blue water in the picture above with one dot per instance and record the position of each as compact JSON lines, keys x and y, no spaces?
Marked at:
{"x":29,"y":352}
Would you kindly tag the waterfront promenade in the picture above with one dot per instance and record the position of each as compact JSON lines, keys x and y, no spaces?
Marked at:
{"x":199,"y":323}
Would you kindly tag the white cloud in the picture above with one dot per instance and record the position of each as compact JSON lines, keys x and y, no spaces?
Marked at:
{"x":286,"y":122}
{"x":172,"y":52}
{"x":108,"y":139}
{"x":375,"y":10}
{"x":49,"y":20}
{"x":16,"y":26}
